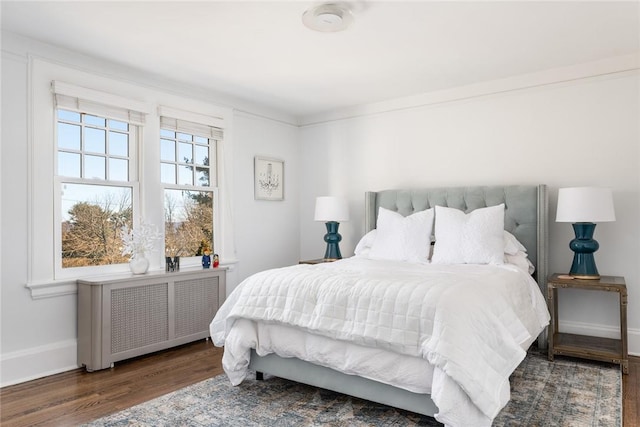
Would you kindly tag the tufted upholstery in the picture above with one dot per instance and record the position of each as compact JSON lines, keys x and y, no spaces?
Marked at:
{"x":525,"y":209}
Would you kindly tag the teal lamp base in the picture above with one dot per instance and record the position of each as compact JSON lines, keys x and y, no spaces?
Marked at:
{"x":583,"y":246}
{"x":332,"y":238}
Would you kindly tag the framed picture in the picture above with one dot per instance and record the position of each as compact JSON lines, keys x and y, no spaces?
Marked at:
{"x":268,"y":178}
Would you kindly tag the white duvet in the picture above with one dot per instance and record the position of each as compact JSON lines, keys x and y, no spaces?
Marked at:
{"x":463,"y":328}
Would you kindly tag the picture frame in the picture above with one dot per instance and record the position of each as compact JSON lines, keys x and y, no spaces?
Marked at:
{"x":268,"y":176}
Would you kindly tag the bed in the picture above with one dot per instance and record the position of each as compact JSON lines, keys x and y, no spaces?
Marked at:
{"x":437,"y":337}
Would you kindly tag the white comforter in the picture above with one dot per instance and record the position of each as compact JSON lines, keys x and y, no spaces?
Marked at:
{"x":472,"y":323}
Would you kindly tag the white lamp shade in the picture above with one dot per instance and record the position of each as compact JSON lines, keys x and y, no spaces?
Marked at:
{"x":585,"y":204}
{"x":330,"y":208}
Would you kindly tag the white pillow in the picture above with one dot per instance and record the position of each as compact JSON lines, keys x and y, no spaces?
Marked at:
{"x":512,"y":245}
{"x":364,"y":245}
{"x":476,"y":238}
{"x":402,"y":238}
{"x":521,"y":260}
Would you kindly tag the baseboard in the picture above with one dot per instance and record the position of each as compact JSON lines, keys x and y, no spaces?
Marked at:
{"x":37,"y":362}
{"x":633,"y":335}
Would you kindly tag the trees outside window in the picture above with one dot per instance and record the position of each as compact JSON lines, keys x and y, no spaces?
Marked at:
{"x":188,"y":176}
{"x":95,"y":166}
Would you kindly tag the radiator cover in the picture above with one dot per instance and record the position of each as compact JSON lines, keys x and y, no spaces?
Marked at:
{"x":126,"y":316}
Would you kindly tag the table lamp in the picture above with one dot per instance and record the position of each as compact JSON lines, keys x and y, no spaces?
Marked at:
{"x":584,"y":206}
{"x":332,"y":210}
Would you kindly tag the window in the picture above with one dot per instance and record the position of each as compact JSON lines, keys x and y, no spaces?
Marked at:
{"x":96,"y":184}
{"x":189,"y":176}
{"x":94,"y":166}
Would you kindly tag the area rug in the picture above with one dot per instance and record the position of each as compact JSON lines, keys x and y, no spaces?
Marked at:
{"x":561,"y":393}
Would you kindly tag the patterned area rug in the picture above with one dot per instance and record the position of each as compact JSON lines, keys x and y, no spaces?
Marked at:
{"x":562,"y":393}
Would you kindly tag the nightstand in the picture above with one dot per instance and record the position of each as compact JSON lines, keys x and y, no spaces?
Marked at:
{"x":588,"y":347}
{"x":316,"y":261}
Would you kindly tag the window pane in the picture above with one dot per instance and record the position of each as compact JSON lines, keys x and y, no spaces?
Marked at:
{"x":167,"y":150}
{"x":202,"y":155}
{"x":94,"y":140}
{"x":185,"y":175}
{"x":188,"y":222}
{"x":185,"y":153}
{"x":118,"y":169}
{"x":167,"y":133}
{"x":68,"y":136}
{"x":69,"y":164}
{"x":168,"y":173}
{"x":118,"y":144}
{"x":94,"y":167}
{"x":92,"y":216}
{"x":69,"y":116}
{"x":94,"y":120}
{"x":115,"y":124}
{"x":201,"y":140}
{"x":202,"y":177}
{"x":185,"y":137}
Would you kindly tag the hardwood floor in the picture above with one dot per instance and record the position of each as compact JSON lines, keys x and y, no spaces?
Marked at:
{"x":76,"y":397}
{"x":631,"y":394}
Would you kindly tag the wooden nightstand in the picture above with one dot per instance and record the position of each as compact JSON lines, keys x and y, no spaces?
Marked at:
{"x":588,"y":347}
{"x":316,"y":261}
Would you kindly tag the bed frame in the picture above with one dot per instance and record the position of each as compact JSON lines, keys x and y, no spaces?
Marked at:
{"x":526,"y":212}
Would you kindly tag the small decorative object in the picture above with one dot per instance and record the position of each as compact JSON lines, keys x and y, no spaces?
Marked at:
{"x":172,"y":264}
{"x":139,"y":264}
{"x":584,"y":206}
{"x":137,"y":242}
{"x":332,"y":210}
{"x":205,"y":247}
{"x":216,"y":260}
{"x":206,"y":259}
{"x":268,"y":179}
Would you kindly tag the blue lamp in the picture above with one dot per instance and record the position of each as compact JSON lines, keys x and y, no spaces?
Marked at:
{"x":584,"y":206}
{"x":332,"y":210}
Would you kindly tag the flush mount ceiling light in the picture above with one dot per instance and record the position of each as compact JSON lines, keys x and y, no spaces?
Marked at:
{"x":328,"y":17}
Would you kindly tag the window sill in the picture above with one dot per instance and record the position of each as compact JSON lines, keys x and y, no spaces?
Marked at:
{"x":52,"y":288}
{"x":57,"y":288}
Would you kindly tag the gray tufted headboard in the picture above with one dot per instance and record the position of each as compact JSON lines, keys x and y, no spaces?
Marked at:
{"x":525,"y":213}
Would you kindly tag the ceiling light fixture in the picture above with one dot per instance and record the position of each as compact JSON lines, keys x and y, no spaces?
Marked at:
{"x":327,"y":18}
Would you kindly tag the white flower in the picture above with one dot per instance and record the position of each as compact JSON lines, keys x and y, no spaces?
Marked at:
{"x":139,"y":239}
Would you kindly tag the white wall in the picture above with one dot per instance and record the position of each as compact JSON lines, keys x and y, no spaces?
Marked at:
{"x":38,"y":336}
{"x":266,"y":231}
{"x":580,"y":132}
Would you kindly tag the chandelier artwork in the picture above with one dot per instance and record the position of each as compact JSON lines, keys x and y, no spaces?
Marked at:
{"x":269,"y":179}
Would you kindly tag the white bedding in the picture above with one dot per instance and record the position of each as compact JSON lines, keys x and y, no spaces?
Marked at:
{"x":470,"y":323}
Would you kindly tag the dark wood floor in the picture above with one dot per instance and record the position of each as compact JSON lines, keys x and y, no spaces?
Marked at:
{"x":75,"y":397}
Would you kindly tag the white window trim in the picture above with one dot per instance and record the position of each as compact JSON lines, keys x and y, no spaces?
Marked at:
{"x":41,"y":150}
{"x":74,"y":272}
{"x":212,"y":128}
{"x":101,"y":101}
{"x":189,"y":116}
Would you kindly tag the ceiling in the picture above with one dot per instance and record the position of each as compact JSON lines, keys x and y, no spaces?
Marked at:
{"x":261,"y":51}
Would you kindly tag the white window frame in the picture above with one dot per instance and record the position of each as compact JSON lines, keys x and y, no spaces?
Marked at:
{"x":204,"y":126}
{"x":42,"y":152}
{"x":104,"y":105}
{"x":133,"y":183}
